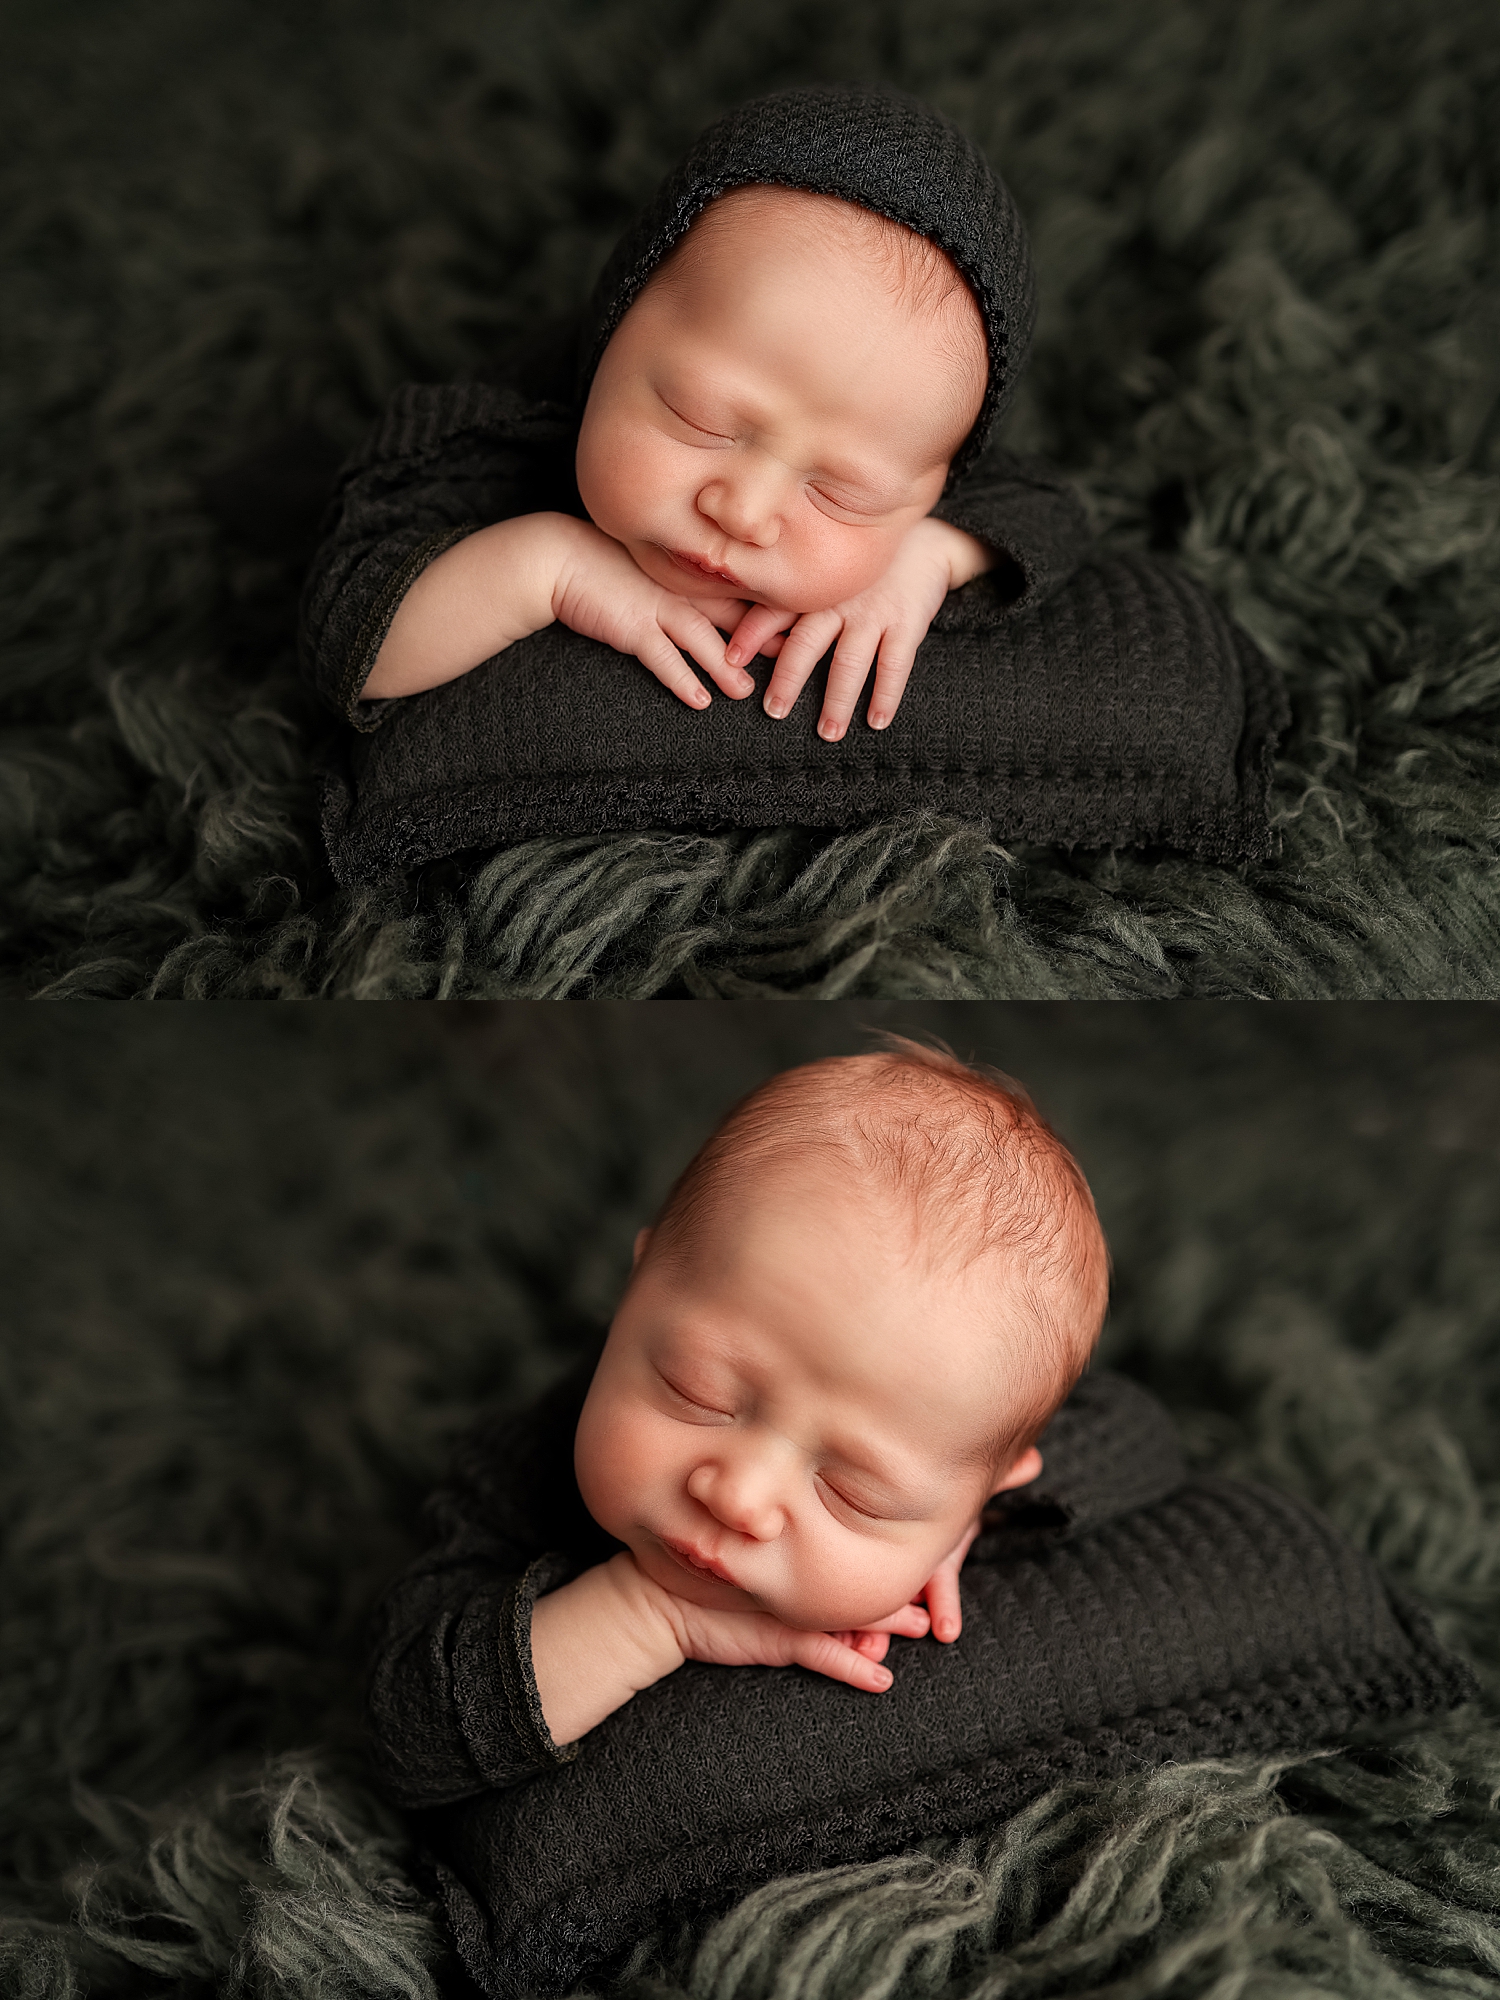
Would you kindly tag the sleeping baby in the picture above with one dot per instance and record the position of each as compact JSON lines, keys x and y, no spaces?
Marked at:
{"x":856,"y":1313}
{"x":767,"y":434}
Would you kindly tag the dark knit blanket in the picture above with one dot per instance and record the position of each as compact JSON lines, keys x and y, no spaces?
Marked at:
{"x":1266,"y":344}
{"x":261,"y":1267}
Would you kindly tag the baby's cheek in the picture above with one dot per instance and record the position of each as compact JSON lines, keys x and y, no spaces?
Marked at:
{"x":853,"y":1585}
{"x":841,"y":564}
{"x":625,"y":479}
{"x":613,"y":1460}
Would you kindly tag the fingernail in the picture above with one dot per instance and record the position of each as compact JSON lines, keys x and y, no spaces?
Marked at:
{"x":776,"y":710}
{"x":700,"y":698}
{"x":879,"y":721}
{"x":882,"y":1677}
{"x":947,"y":1630}
{"x":745,"y":683}
{"x":829,"y":731}
{"x":734,"y":656}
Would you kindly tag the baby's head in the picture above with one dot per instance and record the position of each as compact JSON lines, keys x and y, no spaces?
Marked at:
{"x":858,"y":1309}
{"x":782,"y":400}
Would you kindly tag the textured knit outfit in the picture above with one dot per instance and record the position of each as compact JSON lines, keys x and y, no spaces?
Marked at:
{"x":447,"y":460}
{"x":453,"y":1700}
{"x":1120,"y":1613}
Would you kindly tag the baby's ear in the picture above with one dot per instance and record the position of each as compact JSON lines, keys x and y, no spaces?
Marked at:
{"x":1026,"y":1468}
{"x":642,"y":1238}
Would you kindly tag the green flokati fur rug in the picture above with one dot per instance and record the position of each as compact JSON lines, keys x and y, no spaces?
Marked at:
{"x":1270,"y":338}
{"x":260,"y":1266}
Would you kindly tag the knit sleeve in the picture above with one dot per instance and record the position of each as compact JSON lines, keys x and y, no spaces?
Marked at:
{"x":442,"y":462}
{"x":1026,"y":511}
{"x":453,"y":1704}
{"x":453,"y":1707}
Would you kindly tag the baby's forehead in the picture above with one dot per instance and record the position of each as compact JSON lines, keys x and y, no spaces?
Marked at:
{"x":765,"y":205}
{"x":765,"y":217}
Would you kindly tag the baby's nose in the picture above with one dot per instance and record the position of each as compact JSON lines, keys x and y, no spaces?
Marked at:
{"x":739,"y":1497}
{"x":747,"y":507}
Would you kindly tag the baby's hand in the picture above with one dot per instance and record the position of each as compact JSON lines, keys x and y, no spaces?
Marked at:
{"x":892,"y":616}
{"x":756,"y":1639}
{"x":603,"y":594}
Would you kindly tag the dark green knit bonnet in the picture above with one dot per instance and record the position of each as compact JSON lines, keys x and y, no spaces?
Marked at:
{"x":867,"y":144}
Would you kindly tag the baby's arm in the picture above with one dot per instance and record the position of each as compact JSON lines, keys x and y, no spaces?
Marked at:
{"x":609,"y":1633}
{"x":504,"y":582}
{"x":890,"y":618}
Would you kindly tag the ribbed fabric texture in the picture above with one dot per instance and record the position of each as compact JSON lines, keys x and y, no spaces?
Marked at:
{"x":1110,"y":1448}
{"x":868,"y":144}
{"x":1125,"y":710}
{"x":1124,"y":1615}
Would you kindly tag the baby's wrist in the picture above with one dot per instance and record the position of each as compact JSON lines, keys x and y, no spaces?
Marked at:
{"x":555,"y":540}
{"x":595,"y":1643}
{"x":646,"y":1633}
{"x":965,"y":555}
{"x":567,"y":541}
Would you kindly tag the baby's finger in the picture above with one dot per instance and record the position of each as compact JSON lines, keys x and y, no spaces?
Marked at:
{"x":874,"y":1645}
{"x":674,"y":673}
{"x":724,"y":614}
{"x":943,"y":1604}
{"x":910,"y":1622}
{"x":759,"y":624}
{"x":801,"y":651}
{"x":695,"y":634}
{"x":891,"y":675}
{"x":822,"y":1653}
{"x":941,"y":1588}
{"x":846,"y":676}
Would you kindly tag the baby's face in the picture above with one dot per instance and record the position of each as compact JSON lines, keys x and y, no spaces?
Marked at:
{"x":773,"y":414}
{"x":792,"y":1411}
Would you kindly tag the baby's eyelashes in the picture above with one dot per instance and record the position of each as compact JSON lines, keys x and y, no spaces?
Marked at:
{"x":862,"y":1507}
{"x":700,"y":1412}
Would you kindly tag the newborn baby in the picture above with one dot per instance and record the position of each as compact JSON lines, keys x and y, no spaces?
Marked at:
{"x":774,"y":420}
{"x":766,"y":433}
{"x":858,"y":1310}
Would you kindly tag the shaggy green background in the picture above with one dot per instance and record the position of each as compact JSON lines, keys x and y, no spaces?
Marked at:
{"x":1266,"y":240}
{"x":261,"y":1264}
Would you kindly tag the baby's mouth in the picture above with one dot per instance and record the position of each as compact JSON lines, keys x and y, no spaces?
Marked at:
{"x":694,"y":1563}
{"x":695,"y":567}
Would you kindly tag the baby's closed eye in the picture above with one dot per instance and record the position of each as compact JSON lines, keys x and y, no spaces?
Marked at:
{"x":866,"y":1508}
{"x":856,"y":510}
{"x":692,"y":1407}
{"x":701,"y":429}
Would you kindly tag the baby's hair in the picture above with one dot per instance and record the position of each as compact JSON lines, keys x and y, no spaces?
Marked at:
{"x":965,"y":1147}
{"x":918,"y":275}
